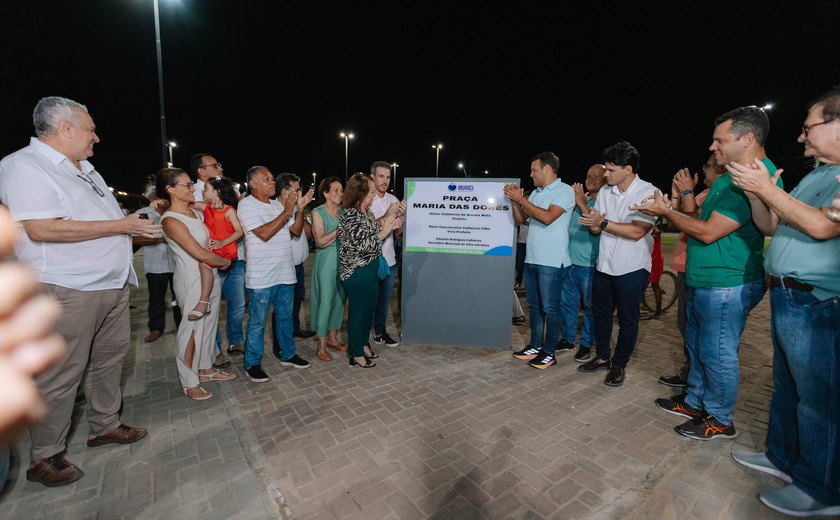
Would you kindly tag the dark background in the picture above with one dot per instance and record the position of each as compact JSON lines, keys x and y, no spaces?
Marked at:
{"x":273,"y":83}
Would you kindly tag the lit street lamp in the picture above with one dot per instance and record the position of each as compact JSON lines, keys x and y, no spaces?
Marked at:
{"x":466,"y":172}
{"x":314,"y":178}
{"x":394,"y":184}
{"x":160,"y":86}
{"x":171,"y":145}
{"x":437,"y":147}
{"x":346,"y":138}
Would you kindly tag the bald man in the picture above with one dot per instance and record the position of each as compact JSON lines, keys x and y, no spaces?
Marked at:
{"x":577,"y":286}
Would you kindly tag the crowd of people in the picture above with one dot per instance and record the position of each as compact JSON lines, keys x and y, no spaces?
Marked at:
{"x":589,"y":250}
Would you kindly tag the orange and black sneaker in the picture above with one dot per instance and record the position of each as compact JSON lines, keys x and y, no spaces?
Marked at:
{"x":706,"y":428}
{"x":677,"y":406}
{"x":528,"y":353}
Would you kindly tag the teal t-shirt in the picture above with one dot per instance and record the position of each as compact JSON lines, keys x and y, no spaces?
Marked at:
{"x":737,"y":258}
{"x":795,"y":254}
{"x":549,"y":245}
{"x":583,"y":245}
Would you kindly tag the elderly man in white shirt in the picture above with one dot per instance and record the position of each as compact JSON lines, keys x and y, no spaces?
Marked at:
{"x":78,"y":241}
{"x":624,"y":259}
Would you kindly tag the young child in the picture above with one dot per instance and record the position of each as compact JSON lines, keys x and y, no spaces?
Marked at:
{"x":220,"y":202}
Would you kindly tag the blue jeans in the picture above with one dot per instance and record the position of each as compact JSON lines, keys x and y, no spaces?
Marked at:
{"x":281,"y":298}
{"x":803,"y":438}
{"x":577,"y":289}
{"x":232,"y":283}
{"x":543,"y":286}
{"x":715,"y":319}
{"x":624,"y":294}
{"x":383,"y":304}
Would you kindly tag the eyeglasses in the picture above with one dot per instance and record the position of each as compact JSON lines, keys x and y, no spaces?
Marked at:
{"x":93,"y":185}
{"x":807,"y":128}
{"x":188,"y":185}
{"x":214,"y":165}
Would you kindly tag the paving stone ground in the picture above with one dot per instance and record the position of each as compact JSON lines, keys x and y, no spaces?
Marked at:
{"x":431,"y":432}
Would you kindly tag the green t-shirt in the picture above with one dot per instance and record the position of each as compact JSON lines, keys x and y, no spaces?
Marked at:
{"x":795,"y":254}
{"x":737,"y":258}
{"x":583,"y":245}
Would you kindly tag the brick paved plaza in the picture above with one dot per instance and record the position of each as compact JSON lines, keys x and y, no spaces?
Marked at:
{"x":431,"y":432}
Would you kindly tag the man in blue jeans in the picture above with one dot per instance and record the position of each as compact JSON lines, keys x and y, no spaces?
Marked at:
{"x":724,"y":279}
{"x":384,"y":204}
{"x":270,"y":277}
{"x":802,"y":265}
{"x":583,"y":251}
{"x":547,"y":211}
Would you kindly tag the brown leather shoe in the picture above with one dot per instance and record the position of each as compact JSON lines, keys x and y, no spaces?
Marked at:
{"x":153,"y":336}
{"x":222,"y":361}
{"x":337,"y":345}
{"x":122,"y":435}
{"x":54,"y":471}
{"x":323,"y":355}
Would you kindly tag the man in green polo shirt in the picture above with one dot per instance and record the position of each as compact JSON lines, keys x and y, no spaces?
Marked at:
{"x":724,"y":279}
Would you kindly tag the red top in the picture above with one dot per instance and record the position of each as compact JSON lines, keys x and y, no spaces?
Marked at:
{"x":220,"y":228}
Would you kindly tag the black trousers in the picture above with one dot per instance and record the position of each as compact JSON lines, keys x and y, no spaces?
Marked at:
{"x":157,"y":301}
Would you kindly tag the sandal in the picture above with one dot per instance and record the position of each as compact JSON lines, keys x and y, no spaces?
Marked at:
{"x":215,"y":375}
{"x":201,"y":397}
{"x":342,"y":347}
{"x":368,"y":363}
{"x":197,"y":315}
{"x":372,"y":355}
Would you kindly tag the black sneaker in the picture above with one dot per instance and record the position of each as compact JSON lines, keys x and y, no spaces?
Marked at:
{"x":303,"y":333}
{"x":706,"y":428}
{"x":387,"y":340}
{"x":677,"y":406}
{"x":256,"y":374}
{"x":543,"y":360}
{"x":518,"y":319}
{"x":615,"y":377}
{"x":583,"y":354}
{"x":295,"y":361}
{"x":563,"y":345}
{"x":528,"y":353}
{"x":675,"y":381}
{"x":594,"y":365}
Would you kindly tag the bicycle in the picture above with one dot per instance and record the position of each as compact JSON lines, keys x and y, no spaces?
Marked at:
{"x":668,"y":284}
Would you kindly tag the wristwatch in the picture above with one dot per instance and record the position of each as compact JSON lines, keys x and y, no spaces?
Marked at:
{"x":603,"y":224}
{"x":686,"y":192}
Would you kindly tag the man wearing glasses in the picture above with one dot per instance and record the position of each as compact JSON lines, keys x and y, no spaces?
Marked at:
{"x":232,"y":281}
{"x":79,"y":243}
{"x":802,"y":266}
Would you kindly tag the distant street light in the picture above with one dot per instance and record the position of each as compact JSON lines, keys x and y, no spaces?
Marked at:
{"x":466,"y":172}
{"x":437,"y":147}
{"x":171,"y":145}
{"x":346,"y":138}
{"x":314,"y":179}
{"x":163,"y":141}
{"x":394,"y":184}
{"x":768,"y":106}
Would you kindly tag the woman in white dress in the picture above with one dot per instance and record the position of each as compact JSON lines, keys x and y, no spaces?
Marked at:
{"x":188,"y":240}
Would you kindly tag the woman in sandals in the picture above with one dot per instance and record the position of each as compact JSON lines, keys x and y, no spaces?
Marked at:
{"x":188,"y":239}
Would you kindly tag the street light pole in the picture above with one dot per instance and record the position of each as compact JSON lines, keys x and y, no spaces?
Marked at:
{"x":171,"y":145}
{"x":346,"y":138}
{"x":314,"y":181}
{"x":394,"y":184}
{"x":160,"y":84}
{"x":438,"y":147}
{"x":466,"y":172}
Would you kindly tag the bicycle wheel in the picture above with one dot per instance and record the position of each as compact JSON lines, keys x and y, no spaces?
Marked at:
{"x":668,"y":284}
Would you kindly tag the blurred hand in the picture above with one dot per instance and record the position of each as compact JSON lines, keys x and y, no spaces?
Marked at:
{"x":27,"y":344}
{"x":137,"y":227}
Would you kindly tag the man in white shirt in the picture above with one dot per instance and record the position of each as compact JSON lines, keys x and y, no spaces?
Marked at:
{"x":270,"y":276}
{"x":78,"y":241}
{"x":204,"y":166}
{"x":384,"y":205}
{"x":624,"y":259}
{"x":158,"y":268}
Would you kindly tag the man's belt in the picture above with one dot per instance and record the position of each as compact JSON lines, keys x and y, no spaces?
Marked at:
{"x":786,"y":282}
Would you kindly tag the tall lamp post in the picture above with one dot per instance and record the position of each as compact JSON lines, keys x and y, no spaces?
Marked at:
{"x":466,"y":172}
{"x":314,"y":181}
{"x":394,"y":184}
{"x":346,"y":138}
{"x":171,"y":145}
{"x":437,"y":147}
{"x":163,"y":141}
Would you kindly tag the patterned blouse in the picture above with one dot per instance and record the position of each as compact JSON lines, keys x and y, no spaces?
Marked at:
{"x":358,"y":242}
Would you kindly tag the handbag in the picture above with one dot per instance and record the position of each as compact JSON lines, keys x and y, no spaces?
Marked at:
{"x":383,"y":271}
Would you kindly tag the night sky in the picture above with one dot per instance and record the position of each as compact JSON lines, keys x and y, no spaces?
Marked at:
{"x":274,"y":83}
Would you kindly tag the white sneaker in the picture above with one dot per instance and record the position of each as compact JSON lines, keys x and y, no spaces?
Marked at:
{"x":760,"y":462}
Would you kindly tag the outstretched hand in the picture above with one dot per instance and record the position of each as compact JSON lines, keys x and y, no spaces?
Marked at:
{"x":657,"y":205}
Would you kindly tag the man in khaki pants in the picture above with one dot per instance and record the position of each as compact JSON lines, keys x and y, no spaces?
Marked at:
{"x":79,"y":243}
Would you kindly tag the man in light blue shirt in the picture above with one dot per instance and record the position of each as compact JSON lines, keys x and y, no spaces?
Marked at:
{"x":547,"y":211}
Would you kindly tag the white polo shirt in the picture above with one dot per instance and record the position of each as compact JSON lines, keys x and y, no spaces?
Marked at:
{"x":38,"y":182}
{"x":379,"y":206}
{"x":300,"y":245}
{"x":616,"y":255}
{"x":269,"y":263}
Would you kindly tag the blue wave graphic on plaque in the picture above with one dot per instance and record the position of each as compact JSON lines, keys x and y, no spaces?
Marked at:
{"x":500,"y":251}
